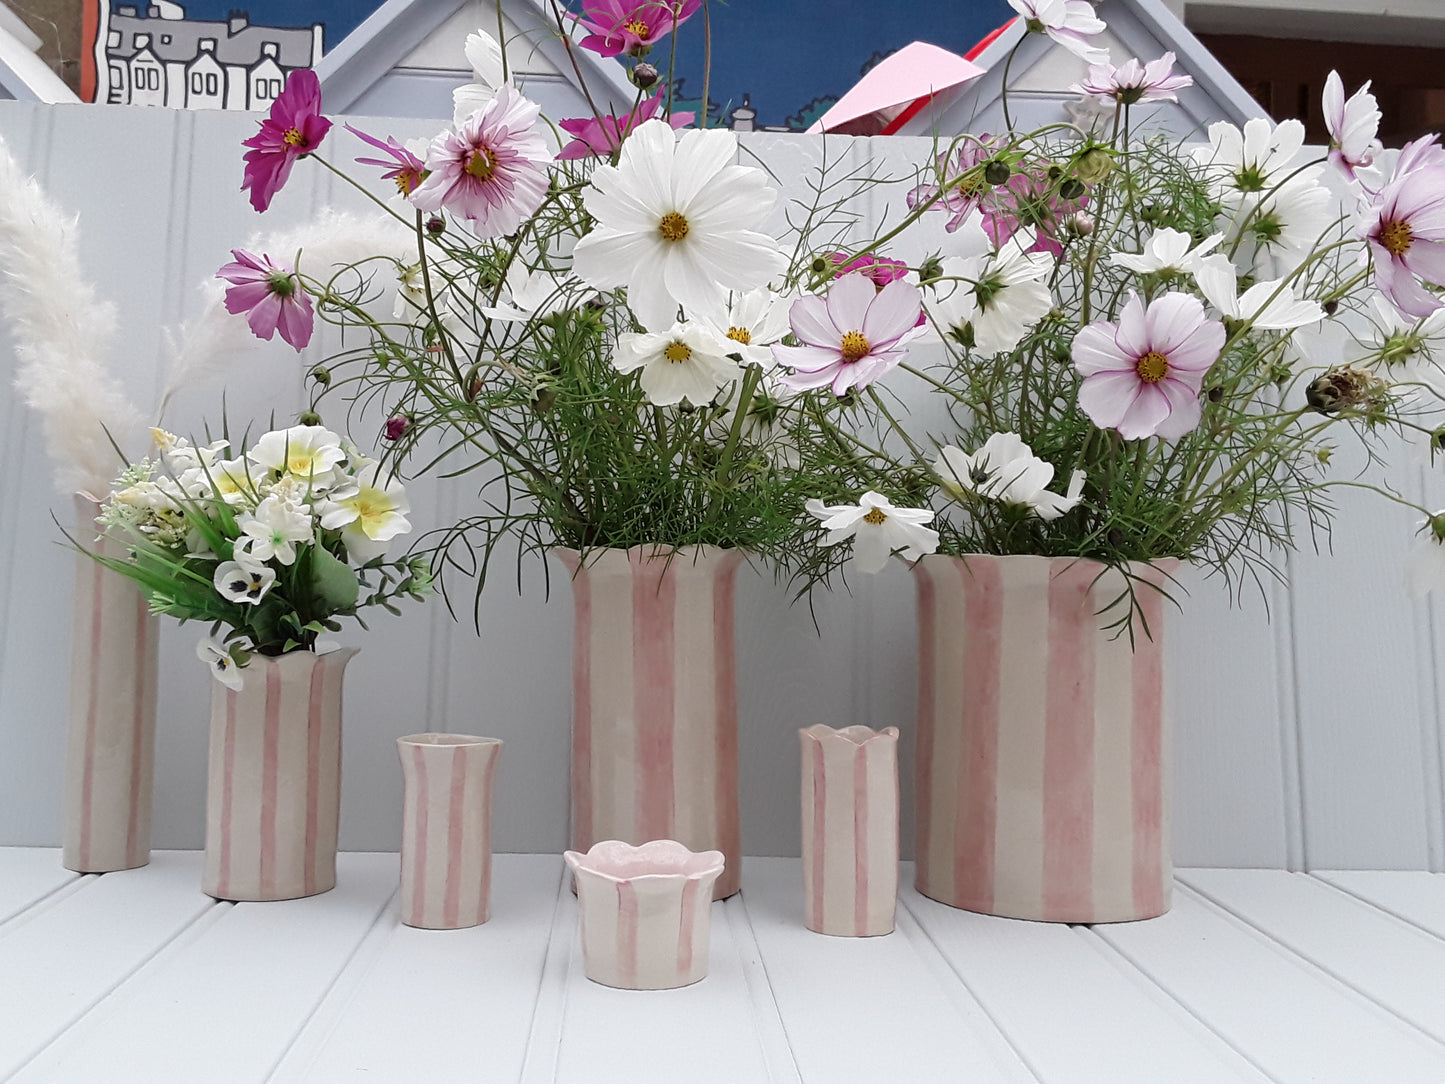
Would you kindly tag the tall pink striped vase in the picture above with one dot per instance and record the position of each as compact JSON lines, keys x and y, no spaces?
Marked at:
{"x":1041,"y":763}
{"x":446,"y":829}
{"x":110,"y":753}
{"x":654,"y":700}
{"x":850,"y":829}
{"x":273,"y":794}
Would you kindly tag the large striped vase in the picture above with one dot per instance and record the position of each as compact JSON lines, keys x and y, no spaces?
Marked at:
{"x":1040,"y":770}
{"x":654,"y":700}
{"x":273,"y":793}
{"x":110,"y":754}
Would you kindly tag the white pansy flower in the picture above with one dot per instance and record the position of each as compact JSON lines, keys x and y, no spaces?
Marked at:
{"x":223,"y":666}
{"x":751,"y":321}
{"x":1005,"y":469}
{"x":675,"y":223}
{"x":1167,"y":252}
{"x":272,"y":531}
{"x":689,"y":362}
{"x":484,"y":54}
{"x":1270,"y":305}
{"x":305,"y":451}
{"x":369,"y":518}
{"x":243,"y":583}
{"x":877,"y":528}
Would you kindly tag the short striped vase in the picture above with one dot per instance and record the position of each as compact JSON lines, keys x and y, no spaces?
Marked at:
{"x":1041,"y":740}
{"x":446,"y":829}
{"x":110,"y":754}
{"x":273,"y":793}
{"x":654,"y":700}
{"x":850,"y":829}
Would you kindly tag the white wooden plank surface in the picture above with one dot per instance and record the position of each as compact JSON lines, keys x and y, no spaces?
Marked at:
{"x":1289,"y":1018}
{"x":30,"y":874}
{"x":1415,"y":896}
{"x":226,"y":1004}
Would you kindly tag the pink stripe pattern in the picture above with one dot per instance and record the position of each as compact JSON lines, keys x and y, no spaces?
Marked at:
{"x":1041,"y":790}
{"x":273,"y":796}
{"x":446,"y":832}
{"x":654,"y":716}
{"x":646,"y":912}
{"x":110,"y":754}
{"x":850,"y":829}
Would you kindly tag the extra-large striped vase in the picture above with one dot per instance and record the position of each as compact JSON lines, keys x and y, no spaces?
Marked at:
{"x":110,"y":748}
{"x":273,"y":792}
{"x":1041,"y":742}
{"x":654,"y":700}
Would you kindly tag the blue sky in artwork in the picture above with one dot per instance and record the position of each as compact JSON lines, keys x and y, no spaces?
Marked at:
{"x":340,"y":17}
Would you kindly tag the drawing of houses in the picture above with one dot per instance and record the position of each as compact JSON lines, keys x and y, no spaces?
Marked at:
{"x":159,"y":57}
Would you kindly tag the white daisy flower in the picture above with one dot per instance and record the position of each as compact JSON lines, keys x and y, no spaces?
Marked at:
{"x":688,"y":362}
{"x":1245,"y":163}
{"x":272,"y":531}
{"x":878,"y":530}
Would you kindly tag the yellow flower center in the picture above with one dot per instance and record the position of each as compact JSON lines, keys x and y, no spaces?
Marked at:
{"x":1396,"y":237}
{"x":874,"y":516}
{"x":481,"y":164}
{"x":854,"y":347}
{"x":1152,"y":367}
{"x":638,"y":27}
{"x":740,"y":335}
{"x":301,"y":463}
{"x":673,"y":226}
{"x":293,"y":137}
{"x":677,"y":352}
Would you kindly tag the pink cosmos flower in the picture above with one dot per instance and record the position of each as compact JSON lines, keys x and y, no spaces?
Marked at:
{"x":1142,"y":375}
{"x":1133,"y":82}
{"x":295,"y":127}
{"x":959,"y":200}
{"x":1029,"y":200}
{"x":852,"y":337}
{"x":630,"y":26}
{"x":403,"y":167}
{"x":493,"y":169}
{"x":1418,"y":153}
{"x":270,"y":295}
{"x":601,"y":138}
{"x":1069,"y":22}
{"x":1405,"y":228}
{"x":880,"y":270}
{"x":1352,"y":126}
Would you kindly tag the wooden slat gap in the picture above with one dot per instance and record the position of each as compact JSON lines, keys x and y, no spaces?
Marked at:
{"x":543,"y":1050}
{"x":782,"y":1067}
{"x":40,"y":904}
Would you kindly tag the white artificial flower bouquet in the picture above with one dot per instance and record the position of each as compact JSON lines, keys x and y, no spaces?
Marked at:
{"x":269,"y":547}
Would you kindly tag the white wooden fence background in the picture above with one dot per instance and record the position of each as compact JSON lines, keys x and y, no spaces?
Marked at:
{"x":1308,"y":737}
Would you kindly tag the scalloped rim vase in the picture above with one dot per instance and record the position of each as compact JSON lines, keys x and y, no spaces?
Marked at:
{"x":1041,"y":757}
{"x":654,"y":699}
{"x":646,"y":912}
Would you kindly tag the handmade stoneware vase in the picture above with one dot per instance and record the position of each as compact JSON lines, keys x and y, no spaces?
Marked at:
{"x":273,"y":797}
{"x":654,"y":699}
{"x":446,"y":830}
{"x":110,"y":746}
{"x":850,"y":829}
{"x":1041,"y":739}
{"x":645,"y":912}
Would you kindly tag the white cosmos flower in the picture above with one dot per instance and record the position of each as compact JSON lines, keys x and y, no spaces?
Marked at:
{"x":219,"y":660}
{"x":1278,"y":230}
{"x":1270,"y":305}
{"x":877,"y":528}
{"x":675,"y":222}
{"x":1244,"y":163}
{"x":765,"y":425}
{"x":484,"y":54}
{"x":750,"y":321}
{"x":1353,"y":125}
{"x":244,"y":583}
{"x":688,"y":362}
{"x":371,"y":517}
{"x":532,"y":294}
{"x":999,"y":296}
{"x":1403,"y":350}
{"x":1069,"y":22}
{"x":1167,"y":252}
{"x":305,"y":451}
{"x":1005,"y":469}
{"x":272,"y":531}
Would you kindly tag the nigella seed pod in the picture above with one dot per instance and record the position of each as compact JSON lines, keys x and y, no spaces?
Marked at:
{"x":644,"y":76}
{"x":309,"y":417}
{"x":996,"y":172}
{"x":1343,"y":388}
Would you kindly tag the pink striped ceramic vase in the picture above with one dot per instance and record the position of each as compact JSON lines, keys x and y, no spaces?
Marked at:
{"x":110,"y":749}
{"x":446,"y":829}
{"x":1040,"y":758}
{"x":273,"y":794}
{"x":654,"y":699}
{"x":646,"y":912}
{"x":850,"y":829}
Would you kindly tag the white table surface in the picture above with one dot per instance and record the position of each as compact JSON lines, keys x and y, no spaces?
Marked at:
{"x":1256,"y":975}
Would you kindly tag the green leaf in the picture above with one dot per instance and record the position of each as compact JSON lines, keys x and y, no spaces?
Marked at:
{"x":334,"y":581}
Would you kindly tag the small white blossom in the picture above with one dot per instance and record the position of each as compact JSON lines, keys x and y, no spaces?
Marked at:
{"x":689,"y":362}
{"x":1167,"y":252}
{"x":1006,"y":470}
{"x":273,"y":531}
{"x":877,"y":528}
{"x":244,"y":583}
{"x":1270,"y":305}
{"x":222,"y":664}
{"x":303,"y":451}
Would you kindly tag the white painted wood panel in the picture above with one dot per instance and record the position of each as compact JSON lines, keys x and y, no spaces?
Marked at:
{"x":30,"y":874}
{"x":1412,"y":895}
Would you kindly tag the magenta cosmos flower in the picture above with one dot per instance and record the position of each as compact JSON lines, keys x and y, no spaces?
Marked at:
{"x":1405,"y":229}
{"x":1352,"y":125}
{"x":295,"y":127}
{"x":1142,"y":375}
{"x":1134,"y":82}
{"x":853,"y":337}
{"x":270,"y":295}
{"x":626,"y":26}
{"x":601,"y":138}
{"x":403,"y":167}
{"x":493,"y":169}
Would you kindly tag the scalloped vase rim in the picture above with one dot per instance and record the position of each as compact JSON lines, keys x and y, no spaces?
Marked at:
{"x":611,"y":859}
{"x":856,"y":734}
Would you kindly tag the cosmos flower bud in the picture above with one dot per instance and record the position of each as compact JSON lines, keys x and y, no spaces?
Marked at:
{"x":395,"y":427}
{"x":996,"y":172}
{"x":309,"y":417}
{"x":1080,"y":224}
{"x":322,"y":375}
{"x":436,"y":225}
{"x":1071,"y":189}
{"x":644,"y":76}
{"x":1093,"y":166}
{"x":1342,"y":389}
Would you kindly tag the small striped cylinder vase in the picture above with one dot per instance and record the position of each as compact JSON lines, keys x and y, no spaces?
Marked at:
{"x":850,"y":829}
{"x":646,"y":912}
{"x":110,"y":747}
{"x":446,"y":829}
{"x":654,"y":699}
{"x":273,"y":791}
{"x":1041,"y":739}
